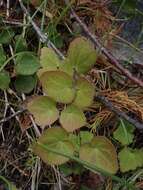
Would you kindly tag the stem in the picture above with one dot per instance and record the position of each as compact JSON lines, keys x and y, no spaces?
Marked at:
{"x":87,"y":164}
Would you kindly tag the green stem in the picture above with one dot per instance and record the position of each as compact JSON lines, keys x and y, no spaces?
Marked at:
{"x":7,"y":182}
{"x":9,"y":59}
{"x":86,"y":164}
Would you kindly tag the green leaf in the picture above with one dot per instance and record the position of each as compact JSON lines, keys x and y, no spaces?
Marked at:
{"x":2,"y":56}
{"x":4,"y":80}
{"x":25,"y":84}
{"x":130,"y":159}
{"x":56,"y":139}
{"x":72,"y":118}
{"x":6,"y":36}
{"x":82,"y":55}
{"x":26,"y":63}
{"x":128,"y":6}
{"x":73,"y":168}
{"x":58,"y":85}
{"x":44,"y":110}
{"x":21,"y":44}
{"x":54,"y":36}
{"x":49,"y":59}
{"x":67,"y":67}
{"x":124,"y":133}
{"x":85,"y":137}
{"x":85,"y":93}
{"x":75,"y":140}
{"x":101,"y":153}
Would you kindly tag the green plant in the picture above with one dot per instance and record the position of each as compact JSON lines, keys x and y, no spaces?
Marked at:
{"x":64,"y":82}
{"x":129,"y":158}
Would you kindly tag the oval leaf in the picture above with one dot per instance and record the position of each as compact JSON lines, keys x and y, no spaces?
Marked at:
{"x":124,"y":133}
{"x":26,"y":63}
{"x":56,"y":139}
{"x":72,"y":118}
{"x":25,"y":84}
{"x":58,"y":85}
{"x":82,"y":55}
{"x":4,"y":80}
{"x":101,"y":153}
{"x":44,"y":110}
{"x":6,"y":35}
{"x":130,"y":159}
{"x":85,"y":93}
{"x":21,"y":44}
{"x":49,"y":59}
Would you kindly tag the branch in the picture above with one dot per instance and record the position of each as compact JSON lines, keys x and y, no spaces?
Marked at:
{"x":110,"y":57}
{"x":11,"y":116}
{"x":121,"y":114}
{"x":43,"y":37}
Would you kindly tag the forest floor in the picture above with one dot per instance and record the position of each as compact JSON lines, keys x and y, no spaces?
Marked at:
{"x":115,"y":29}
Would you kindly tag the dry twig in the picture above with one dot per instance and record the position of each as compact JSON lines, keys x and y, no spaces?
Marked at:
{"x":121,"y":114}
{"x":110,"y":57}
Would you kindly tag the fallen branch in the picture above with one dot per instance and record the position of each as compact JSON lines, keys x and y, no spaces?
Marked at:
{"x":121,"y":114}
{"x":110,"y":57}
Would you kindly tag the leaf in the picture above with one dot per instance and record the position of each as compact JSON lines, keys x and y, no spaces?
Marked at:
{"x":85,"y":137}
{"x":75,"y":140}
{"x":4,"y":80}
{"x":2,"y":56}
{"x":130,"y":159}
{"x":58,"y":85}
{"x":82,"y":55}
{"x":49,"y":59}
{"x":44,"y":110}
{"x":20,"y":44}
{"x":124,"y":133}
{"x":67,"y":67}
{"x":101,"y":153}
{"x":54,"y":36}
{"x":6,"y":36}
{"x":26,"y":63}
{"x":25,"y":84}
{"x":72,"y":118}
{"x":85,"y":93}
{"x":54,"y":138}
{"x":128,"y":6}
{"x":73,"y":168}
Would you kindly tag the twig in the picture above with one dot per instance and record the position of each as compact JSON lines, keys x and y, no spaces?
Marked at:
{"x":5,"y":112}
{"x":121,"y":114}
{"x":7,"y":8}
{"x":43,"y":37}
{"x":110,"y":57}
{"x":11,"y":116}
{"x":11,"y":22}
